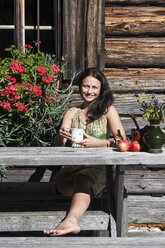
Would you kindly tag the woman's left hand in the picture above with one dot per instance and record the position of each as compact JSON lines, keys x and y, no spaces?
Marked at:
{"x":90,"y":141}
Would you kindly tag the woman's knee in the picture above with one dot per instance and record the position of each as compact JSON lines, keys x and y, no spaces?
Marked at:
{"x":82,"y":183}
{"x":65,"y":189}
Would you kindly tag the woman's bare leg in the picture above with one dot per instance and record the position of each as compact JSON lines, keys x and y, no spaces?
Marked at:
{"x":80,"y":203}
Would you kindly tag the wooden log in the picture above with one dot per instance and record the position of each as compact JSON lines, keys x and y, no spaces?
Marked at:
{"x":38,"y":221}
{"x":145,"y":182}
{"x":128,"y":20}
{"x":81,"y":242}
{"x":135,"y":52}
{"x":136,"y":79}
{"x":146,"y":209}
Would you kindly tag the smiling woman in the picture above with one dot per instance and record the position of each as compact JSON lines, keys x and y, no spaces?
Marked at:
{"x":90,"y":89}
{"x":98,"y":118}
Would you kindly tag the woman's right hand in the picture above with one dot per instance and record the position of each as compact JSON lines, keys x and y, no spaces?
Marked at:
{"x":65,"y":132}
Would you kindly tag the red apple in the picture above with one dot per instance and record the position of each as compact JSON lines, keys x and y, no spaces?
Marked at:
{"x":135,"y":146}
{"x":123,"y":145}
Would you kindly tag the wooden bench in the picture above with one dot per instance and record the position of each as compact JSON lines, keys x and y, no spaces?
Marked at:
{"x":31,"y":205}
{"x":80,"y":242}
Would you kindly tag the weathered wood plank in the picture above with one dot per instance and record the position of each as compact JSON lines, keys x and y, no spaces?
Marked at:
{"x":87,"y":242}
{"x":136,"y":79}
{"x":107,"y":2}
{"x":146,"y":209}
{"x":144,"y":182}
{"x":38,"y":156}
{"x":38,"y":221}
{"x":128,"y":20}
{"x":82,"y":45}
{"x":135,"y":52}
{"x":28,"y":175}
{"x":146,"y":234}
{"x":26,"y":191}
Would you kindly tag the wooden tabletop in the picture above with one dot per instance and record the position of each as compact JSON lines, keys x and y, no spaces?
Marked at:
{"x":55,"y":156}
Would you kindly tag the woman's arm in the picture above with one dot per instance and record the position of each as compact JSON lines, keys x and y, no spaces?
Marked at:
{"x":114,"y":124}
{"x":65,"y":130}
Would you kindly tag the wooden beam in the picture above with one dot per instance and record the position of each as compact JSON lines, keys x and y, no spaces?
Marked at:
{"x":135,"y":52}
{"x":83,"y":35}
{"x":136,"y":79}
{"x":20,"y":25}
{"x":141,"y":20}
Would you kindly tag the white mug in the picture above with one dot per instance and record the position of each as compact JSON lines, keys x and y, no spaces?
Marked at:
{"x":77,"y":134}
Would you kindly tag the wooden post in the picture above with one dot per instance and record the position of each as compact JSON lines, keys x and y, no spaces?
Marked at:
{"x":38,"y":25}
{"x":83,"y":35}
{"x":20,"y":25}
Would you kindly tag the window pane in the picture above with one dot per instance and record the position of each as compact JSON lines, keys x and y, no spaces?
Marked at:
{"x":6,"y":12}
{"x":47,"y":10}
{"x":47,"y":39}
{"x":8,"y":39}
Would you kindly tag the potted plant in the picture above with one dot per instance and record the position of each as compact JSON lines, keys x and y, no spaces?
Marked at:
{"x":154,"y":111}
{"x":31,"y":103}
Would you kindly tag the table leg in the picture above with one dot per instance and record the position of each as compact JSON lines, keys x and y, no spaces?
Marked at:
{"x":121,"y":205}
{"x":111,"y":202}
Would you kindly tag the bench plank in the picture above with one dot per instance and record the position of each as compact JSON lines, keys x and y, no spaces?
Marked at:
{"x":38,"y":221}
{"x":144,"y":182}
{"x":146,"y":209}
{"x":87,"y":242}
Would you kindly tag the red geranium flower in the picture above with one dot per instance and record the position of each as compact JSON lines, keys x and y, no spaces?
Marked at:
{"x":11,"y":79}
{"x":55,"y":69}
{"x":20,"y":106}
{"x":41,"y":70}
{"x":47,"y":79}
{"x":5,"y":105}
{"x":16,"y":67}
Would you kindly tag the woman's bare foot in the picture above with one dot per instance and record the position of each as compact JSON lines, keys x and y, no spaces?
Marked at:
{"x":68,"y":225}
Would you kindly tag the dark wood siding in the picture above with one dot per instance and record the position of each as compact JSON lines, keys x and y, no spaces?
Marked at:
{"x":83,"y":34}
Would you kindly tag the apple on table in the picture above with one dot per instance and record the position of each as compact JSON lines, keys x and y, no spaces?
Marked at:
{"x":123,"y":145}
{"x":135,"y":146}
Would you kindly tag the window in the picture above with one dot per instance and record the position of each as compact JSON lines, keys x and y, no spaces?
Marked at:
{"x":35,"y":13}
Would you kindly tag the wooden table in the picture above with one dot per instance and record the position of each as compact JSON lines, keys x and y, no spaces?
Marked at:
{"x":55,"y":156}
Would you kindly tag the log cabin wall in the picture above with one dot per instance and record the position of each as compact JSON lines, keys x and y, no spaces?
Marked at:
{"x":134,"y":53}
{"x":126,"y":39}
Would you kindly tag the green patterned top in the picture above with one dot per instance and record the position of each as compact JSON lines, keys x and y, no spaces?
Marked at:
{"x":97,"y":128}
